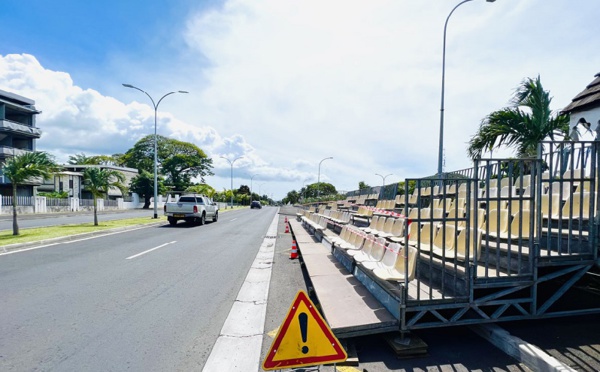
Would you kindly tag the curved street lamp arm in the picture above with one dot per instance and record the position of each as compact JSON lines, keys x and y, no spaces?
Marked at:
{"x":146,"y":93}
{"x":163,"y":97}
{"x":226,"y":159}
{"x":238,"y":158}
{"x":441,"y":139}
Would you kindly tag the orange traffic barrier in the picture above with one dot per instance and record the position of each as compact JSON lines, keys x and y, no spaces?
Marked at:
{"x":294,"y":253}
{"x":287,"y":228}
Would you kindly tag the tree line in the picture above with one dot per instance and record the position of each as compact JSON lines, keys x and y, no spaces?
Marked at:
{"x":178,"y":163}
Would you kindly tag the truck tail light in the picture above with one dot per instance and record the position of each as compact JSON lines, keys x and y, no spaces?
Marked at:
{"x":195,"y":209}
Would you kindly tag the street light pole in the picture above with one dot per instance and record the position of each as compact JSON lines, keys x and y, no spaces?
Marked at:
{"x":155,"y":140}
{"x":441,"y":144}
{"x":383,"y":178}
{"x":319,"y":178}
{"x":231,"y":162}
{"x":251,"y":186}
{"x":304,"y":187}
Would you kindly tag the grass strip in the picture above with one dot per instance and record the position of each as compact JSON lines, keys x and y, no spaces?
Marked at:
{"x":29,"y":235}
{"x":41,"y":233}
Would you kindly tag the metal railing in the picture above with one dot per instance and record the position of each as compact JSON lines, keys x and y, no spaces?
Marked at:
{"x":86,"y":202}
{"x":57,"y":202}
{"x":21,"y":200}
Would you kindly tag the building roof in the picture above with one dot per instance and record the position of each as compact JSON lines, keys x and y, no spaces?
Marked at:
{"x":69,"y":173}
{"x":589,"y":98}
{"x":16,"y":99}
{"x":78,"y":167}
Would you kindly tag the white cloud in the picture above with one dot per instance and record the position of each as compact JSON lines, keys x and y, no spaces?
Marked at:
{"x":360,"y":81}
{"x":76,"y":121}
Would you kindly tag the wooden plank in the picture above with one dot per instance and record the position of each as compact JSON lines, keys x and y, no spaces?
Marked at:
{"x":297,"y":227}
{"x":316,"y":265}
{"x":313,"y":248}
{"x":347,"y":304}
{"x":305,"y":239}
{"x":301,"y":235}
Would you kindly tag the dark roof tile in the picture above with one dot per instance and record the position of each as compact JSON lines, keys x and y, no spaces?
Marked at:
{"x":588,"y":98}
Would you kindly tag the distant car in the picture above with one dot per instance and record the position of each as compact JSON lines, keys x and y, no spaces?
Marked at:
{"x":255,"y":204}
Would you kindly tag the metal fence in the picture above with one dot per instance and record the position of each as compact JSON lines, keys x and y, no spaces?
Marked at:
{"x":494,"y":240}
{"x":86,"y":202}
{"x":111,"y":203}
{"x":57,"y":202}
{"x":21,"y":200}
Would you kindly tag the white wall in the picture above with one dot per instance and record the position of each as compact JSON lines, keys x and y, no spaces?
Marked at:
{"x":591,"y":116}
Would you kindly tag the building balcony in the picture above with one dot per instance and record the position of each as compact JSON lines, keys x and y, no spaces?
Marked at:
{"x":8,"y":127}
{"x":36,"y":181}
{"x":7,"y":152}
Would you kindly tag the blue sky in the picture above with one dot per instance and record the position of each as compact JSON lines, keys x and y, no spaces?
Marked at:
{"x":87,"y":39}
{"x":287,"y":83}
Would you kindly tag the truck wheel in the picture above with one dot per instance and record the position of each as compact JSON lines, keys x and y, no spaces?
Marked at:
{"x":172,"y":221}
{"x":202,"y":219}
{"x":216,"y":216}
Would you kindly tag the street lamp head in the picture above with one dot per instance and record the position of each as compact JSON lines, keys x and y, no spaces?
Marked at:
{"x":128,"y":86}
{"x":490,"y":1}
{"x":184,"y":91}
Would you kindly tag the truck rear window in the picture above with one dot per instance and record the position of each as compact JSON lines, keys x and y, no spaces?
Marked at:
{"x":190,"y":199}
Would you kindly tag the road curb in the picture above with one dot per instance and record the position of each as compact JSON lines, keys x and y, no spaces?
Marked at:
{"x":20,"y":246}
{"x":530,"y":355}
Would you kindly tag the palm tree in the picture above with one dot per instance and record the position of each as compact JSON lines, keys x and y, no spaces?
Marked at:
{"x":98,"y":181}
{"x":203,"y":189}
{"x":83,"y":159}
{"x":26,"y":167}
{"x":523,"y":125}
{"x":79,"y":159}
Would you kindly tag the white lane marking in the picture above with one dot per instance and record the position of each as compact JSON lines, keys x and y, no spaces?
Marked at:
{"x":239,"y":344}
{"x":150,"y":250}
{"x":28,"y":249}
{"x":71,"y":241}
{"x":233,"y":219}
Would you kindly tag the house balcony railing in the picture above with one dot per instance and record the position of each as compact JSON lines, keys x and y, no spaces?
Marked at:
{"x":22,"y":130}
{"x":36,"y":181}
{"x":7,"y":151}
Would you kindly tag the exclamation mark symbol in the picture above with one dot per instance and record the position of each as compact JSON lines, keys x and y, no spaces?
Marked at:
{"x":303,"y":319}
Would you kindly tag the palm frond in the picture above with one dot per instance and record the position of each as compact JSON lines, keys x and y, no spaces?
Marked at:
{"x":523,"y":125}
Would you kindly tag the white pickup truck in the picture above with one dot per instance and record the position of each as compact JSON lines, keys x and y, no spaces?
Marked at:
{"x":193,"y":209}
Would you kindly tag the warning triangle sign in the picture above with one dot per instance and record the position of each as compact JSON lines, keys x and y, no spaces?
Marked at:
{"x":304,"y":339}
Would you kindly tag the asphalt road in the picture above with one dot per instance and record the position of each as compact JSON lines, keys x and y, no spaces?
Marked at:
{"x":151,"y":299}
